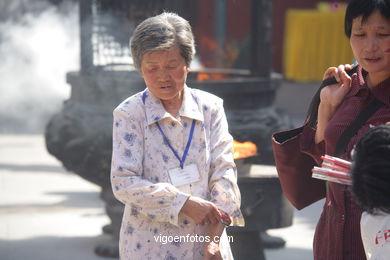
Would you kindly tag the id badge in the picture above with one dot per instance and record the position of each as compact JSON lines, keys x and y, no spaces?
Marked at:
{"x":187,"y":175}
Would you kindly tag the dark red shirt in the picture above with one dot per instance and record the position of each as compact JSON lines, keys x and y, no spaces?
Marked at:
{"x":337,"y":235}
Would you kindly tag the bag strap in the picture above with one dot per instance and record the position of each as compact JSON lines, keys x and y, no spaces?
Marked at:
{"x":363,"y":116}
{"x":312,"y":112}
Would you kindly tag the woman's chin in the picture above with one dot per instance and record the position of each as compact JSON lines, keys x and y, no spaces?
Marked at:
{"x":374,"y":67}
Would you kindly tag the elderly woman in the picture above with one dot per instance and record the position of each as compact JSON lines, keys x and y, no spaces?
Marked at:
{"x":367,"y":25}
{"x":172,"y":162}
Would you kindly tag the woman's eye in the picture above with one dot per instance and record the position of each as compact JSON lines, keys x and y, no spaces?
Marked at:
{"x":359,"y":34}
{"x":383,"y":34}
{"x":172,"y":67}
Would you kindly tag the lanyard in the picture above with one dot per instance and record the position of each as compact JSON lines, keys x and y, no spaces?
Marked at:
{"x":187,"y":147}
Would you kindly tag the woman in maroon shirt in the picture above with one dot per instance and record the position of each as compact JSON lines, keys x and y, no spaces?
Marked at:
{"x":367,"y":25}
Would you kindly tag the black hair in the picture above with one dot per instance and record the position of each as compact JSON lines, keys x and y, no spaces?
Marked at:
{"x":355,"y":9}
{"x":371,"y":170}
{"x":364,"y":8}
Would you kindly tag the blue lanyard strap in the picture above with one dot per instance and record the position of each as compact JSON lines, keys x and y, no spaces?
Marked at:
{"x":187,"y":147}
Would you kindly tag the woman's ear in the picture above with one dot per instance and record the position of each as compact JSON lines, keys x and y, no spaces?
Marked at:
{"x":140,"y":73}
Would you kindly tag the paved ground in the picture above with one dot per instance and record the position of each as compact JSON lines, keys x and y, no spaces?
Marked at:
{"x":46,"y":213}
{"x":294,"y":98}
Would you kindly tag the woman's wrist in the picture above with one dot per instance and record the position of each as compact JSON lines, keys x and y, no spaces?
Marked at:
{"x":325,"y":114}
{"x":215,"y":230}
{"x":326,"y":111}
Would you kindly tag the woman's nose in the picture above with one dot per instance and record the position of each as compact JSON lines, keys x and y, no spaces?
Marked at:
{"x":164,"y":74}
{"x":372,"y":44}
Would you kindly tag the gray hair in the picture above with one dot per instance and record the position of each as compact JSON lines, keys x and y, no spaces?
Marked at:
{"x":162,"y":32}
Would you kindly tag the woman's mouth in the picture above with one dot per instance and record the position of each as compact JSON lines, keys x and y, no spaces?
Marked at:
{"x":372,"y":59}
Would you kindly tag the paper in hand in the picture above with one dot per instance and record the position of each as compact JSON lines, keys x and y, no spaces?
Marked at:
{"x":333,"y":169}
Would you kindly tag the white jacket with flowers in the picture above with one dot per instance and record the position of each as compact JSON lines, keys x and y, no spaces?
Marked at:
{"x":139,"y":174}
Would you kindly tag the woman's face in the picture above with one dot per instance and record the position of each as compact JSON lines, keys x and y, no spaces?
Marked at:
{"x":165,"y":73}
{"x":370,"y":42}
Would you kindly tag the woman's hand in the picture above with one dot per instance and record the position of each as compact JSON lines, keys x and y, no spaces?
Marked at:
{"x":201,"y":211}
{"x":333,"y":95}
{"x":211,"y":250}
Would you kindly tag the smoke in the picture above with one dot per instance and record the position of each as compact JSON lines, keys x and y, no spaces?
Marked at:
{"x":36,"y":51}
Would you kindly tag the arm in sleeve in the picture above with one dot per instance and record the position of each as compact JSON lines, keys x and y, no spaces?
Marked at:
{"x":223,"y":187}
{"x":157,"y":201}
{"x":298,"y":140}
{"x":308,"y":145}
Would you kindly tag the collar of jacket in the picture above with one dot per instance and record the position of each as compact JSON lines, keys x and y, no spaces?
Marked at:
{"x":380,"y":91}
{"x":155,"y":111}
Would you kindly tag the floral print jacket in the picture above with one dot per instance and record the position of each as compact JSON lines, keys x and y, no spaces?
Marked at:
{"x":139,"y":174}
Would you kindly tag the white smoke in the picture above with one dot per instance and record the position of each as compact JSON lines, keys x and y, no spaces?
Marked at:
{"x":36,"y":52}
